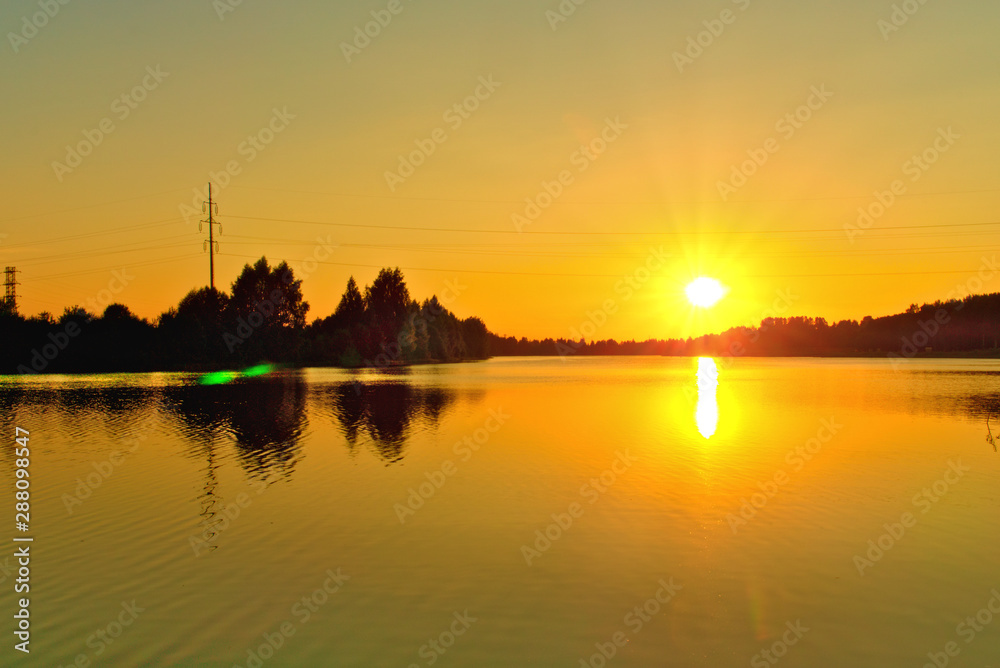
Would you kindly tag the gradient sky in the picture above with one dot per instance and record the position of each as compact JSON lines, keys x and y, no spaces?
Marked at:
{"x":656,"y":185}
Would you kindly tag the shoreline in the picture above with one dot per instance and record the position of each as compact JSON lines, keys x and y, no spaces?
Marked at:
{"x":988,"y":354}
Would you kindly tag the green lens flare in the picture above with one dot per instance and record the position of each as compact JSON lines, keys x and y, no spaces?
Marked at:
{"x":223,"y":377}
{"x":218,"y":378}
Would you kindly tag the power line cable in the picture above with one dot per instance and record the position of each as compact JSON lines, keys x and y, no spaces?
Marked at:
{"x":609,"y":202}
{"x":602,"y":233}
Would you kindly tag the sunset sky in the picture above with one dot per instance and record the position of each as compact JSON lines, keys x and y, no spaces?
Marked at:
{"x":664,"y":132}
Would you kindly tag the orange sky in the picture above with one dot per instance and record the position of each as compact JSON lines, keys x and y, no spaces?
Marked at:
{"x":267,"y":92}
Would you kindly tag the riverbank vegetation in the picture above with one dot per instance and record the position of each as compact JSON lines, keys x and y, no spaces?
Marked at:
{"x":956,"y":328}
{"x":263,"y":318}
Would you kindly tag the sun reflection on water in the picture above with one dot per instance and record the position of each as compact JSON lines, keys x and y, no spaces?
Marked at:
{"x":706,"y":413}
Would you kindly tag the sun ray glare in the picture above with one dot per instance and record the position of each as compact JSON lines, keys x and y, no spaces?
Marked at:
{"x":705,"y":292}
{"x":706,"y":414}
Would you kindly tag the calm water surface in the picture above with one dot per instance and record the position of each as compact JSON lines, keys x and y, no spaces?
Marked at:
{"x":750,"y":487}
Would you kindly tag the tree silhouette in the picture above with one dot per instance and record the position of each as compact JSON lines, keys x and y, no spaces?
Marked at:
{"x":351,"y":308}
{"x":193,"y":332}
{"x":386,"y":304}
{"x":265,"y":314}
{"x":274,"y":293}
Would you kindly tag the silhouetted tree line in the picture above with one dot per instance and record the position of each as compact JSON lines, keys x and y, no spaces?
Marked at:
{"x":262,"y":318}
{"x":956,"y":326}
{"x":385,"y":327}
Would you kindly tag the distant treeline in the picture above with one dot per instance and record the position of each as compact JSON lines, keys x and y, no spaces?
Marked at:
{"x":262,"y":318}
{"x":956,"y":326}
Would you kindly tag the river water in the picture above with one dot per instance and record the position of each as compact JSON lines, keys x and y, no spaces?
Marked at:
{"x":515,"y":512}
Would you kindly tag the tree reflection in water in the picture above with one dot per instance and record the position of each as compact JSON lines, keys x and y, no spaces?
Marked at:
{"x":386,"y":413}
{"x":266,"y":418}
{"x":987,"y":405}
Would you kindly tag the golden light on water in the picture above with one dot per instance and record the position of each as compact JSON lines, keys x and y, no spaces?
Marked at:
{"x":706,"y":414}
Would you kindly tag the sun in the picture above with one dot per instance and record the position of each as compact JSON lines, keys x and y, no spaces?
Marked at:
{"x":705,"y":292}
